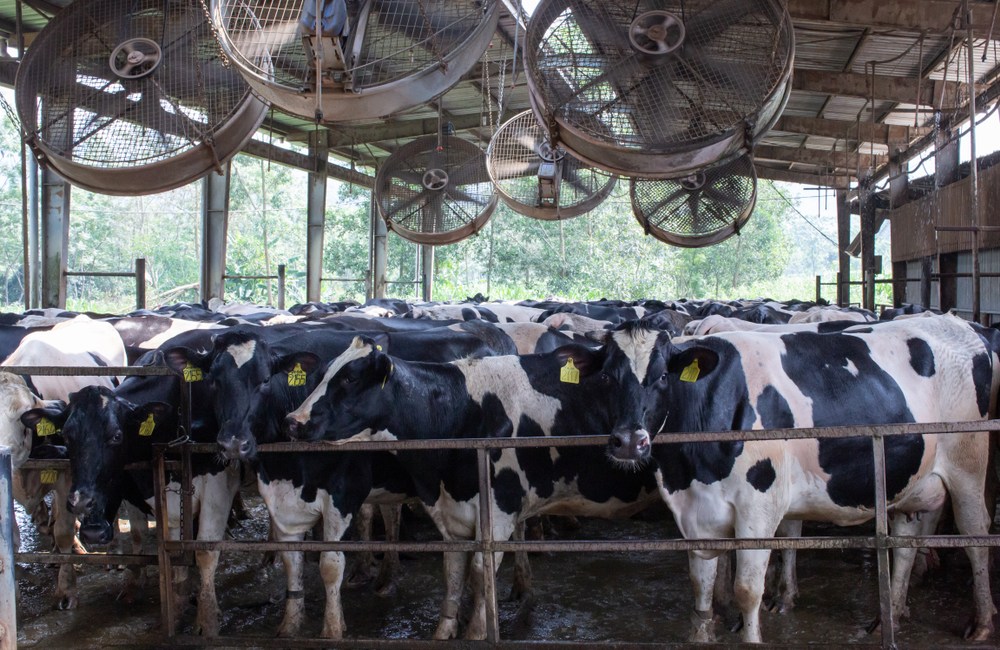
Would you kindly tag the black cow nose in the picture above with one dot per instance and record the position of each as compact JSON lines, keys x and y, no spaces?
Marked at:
{"x":293,"y":427}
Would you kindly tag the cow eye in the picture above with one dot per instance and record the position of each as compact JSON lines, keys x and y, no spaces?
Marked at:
{"x":116,"y":438}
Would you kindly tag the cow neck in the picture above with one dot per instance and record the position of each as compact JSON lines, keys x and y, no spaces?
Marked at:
{"x":423,"y":400}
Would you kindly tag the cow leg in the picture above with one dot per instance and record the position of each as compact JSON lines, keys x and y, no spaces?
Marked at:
{"x":702,"y":571}
{"x":972,"y":518}
{"x":751,"y":573}
{"x":362,"y":565}
{"x":520,"y":588}
{"x":218,"y":491}
{"x":385,"y":582}
{"x":787,"y":588}
{"x":331,"y":568}
{"x":294,"y":593}
{"x":455,"y":565}
{"x":503,"y":528}
{"x":64,"y":533}
{"x":135,"y":576}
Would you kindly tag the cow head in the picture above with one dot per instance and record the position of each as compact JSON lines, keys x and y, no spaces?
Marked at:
{"x":16,"y":399}
{"x":98,"y":427}
{"x":341,"y":403}
{"x":658,"y":395}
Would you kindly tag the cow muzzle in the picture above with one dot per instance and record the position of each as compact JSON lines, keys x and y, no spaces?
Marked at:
{"x":79,"y":502}
{"x":297,"y":430}
{"x":629,"y":445}
{"x":236,"y":448}
{"x":97,"y":533}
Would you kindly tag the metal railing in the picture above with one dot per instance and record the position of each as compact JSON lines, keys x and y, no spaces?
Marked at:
{"x":280,"y":277}
{"x":139,"y":274}
{"x":881,"y":541}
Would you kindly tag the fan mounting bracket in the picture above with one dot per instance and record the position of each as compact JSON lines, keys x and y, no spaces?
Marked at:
{"x":135,"y":58}
{"x":655,"y":33}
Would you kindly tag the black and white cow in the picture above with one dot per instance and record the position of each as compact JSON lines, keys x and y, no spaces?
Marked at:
{"x":916,"y":370}
{"x":574,"y":390}
{"x":256,"y":381}
{"x":106,"y":430}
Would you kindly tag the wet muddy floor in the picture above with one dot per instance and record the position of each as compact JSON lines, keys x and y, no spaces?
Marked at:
{"x":631,"y":597}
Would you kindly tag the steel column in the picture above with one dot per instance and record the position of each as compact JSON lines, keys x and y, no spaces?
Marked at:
{"x":866,"y":197}
{"x":55,"y":238}
{"x":33,"y":282}
{"x":973,"y":167}
{"x":427,"y":267}
{"x":8,"y":587}
{"x":843,"y":243}
{"x":316,"y":211}
{"x":380,"y":252}
{"x":214,"y":225}
{"x":881,"y":537}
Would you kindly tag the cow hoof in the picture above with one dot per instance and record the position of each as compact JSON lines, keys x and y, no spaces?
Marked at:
{"x":702,"y":627}
{"x":331,"y":632}
{"x":206,"y":629}
{"x":67,"y":602}
{"x":447,"y":629}
{"x":976,"y":632}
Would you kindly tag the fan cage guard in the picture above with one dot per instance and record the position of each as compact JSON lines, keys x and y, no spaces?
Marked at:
{"x":513,"y":158}
{"x":400,"y":53}
{"x":447,"y":173}
{"x":701,"y":210}
{"x":111,"y":127}
{"x":705,"y":102}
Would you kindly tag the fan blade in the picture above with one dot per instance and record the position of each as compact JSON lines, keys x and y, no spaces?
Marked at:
{"x":471,"y":171}
{"x":433,"y":214}
{"x":667,"y":201}
{"x":456,"y":194}
{"x":659,"y":110}
{"x":713,"y":194}
{"x":694,"y":205}
{"x":744,"y":76}
{"x":398,"y":212}
{"x":606,"y":33}
{"x":511,"y":169}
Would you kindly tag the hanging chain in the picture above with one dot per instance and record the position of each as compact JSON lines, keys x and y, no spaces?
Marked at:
{"x":215,"y":32}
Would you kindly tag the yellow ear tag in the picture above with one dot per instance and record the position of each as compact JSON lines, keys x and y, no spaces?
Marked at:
{"x":691,"y":372}
{"x":297,"y":376}
{"x":146,"y":428}
{"x":45,"y":427}
{"x":191,"y":373}
{"x":378,"y":347}
{"x":48,"y":476}
{"x":386,"y":378}
{"x":568,"y":374}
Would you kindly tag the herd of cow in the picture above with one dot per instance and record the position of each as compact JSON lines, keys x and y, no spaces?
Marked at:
{"x":393,"y":370}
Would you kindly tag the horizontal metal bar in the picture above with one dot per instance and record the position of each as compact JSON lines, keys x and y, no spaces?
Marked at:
{"x":92,"y":371}
{"x":594,"y":546}
{"x":967,"y":228}
{"x":345,"y":280}
{"x":46,"y":463}
{"x":101,"y":274}
{"x":250,"y":277}
{"x":935,"y":276}
{"x":89,"y":558}
{"x":404,"y":281}
{"x":600,"y":441}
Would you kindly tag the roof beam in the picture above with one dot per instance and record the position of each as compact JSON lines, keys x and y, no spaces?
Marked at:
{"x":901,"y":15}
{"x":887,"y":134}
{"x":298,"y":160}
{"x":902,"y":90}
{"x":8,"y":71}
{"x":818,"y":158}
{"x":840,"y":182}
{"x":346,"y":136}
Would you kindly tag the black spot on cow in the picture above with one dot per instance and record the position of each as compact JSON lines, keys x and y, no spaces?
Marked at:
{"x":921,"y":357}
{"x":821,"y":367}
{"x":507,"y":490}
{"x":536,"y":463}
{"x":982,"y":375}
{"x":774,"y":410}
{"x":761,"y":476}
{"x":706,"y":463}
{"x":851,"y":467}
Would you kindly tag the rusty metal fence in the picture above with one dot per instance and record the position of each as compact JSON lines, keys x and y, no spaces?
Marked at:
{"x":881,"y":541}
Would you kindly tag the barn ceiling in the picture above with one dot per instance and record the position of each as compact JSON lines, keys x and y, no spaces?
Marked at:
{"x":869,"y":79}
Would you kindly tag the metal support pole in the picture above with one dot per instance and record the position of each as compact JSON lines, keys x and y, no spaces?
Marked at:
{"x":427,"y":267}
{"x":866,"y":198}
{"x":819,"y":288}
{"x":140,"y":283}
{"x":34,"y":235}
{"x":843,"y":242}
{"x":973,"y":166}
{"x":316,"y":214}
{"x":281,"y":286}
{"x":8,"y":587}
{"x":926,"y":268}
{"x":882,"y":548}
{"x":55,"y":238}
{"x":380,"y":250}
{"x":215,"y":223}
{"x":486,"y":537}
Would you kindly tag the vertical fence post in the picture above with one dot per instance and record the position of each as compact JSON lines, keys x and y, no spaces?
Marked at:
{"x":819,"y":288}
{"x":140,"y":283}
{"x":486,"y":539}
{"x":281,"y":286}
{"x":8,"y":605}
{"x":167,"y":608}
{"x":882,"y":550}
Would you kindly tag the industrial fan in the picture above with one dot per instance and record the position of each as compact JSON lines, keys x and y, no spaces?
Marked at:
{"x":132,"y":96}
{"x":361,"y":59}
{"x":663,"y":87}
{"x":435,"y":190}
{"x":541,"y":181}
{"x":698,"y":210}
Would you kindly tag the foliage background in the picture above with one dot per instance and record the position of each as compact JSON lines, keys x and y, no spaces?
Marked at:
{"x":602,"y":254}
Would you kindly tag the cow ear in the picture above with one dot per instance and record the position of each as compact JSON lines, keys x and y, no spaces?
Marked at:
{"x":585,"y":360}
{"x":151,"y":414}
{"x":305,"y":362}
{"x":50,"y":418}
{"x":693,"y":363}
{"x":187,"y":362}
